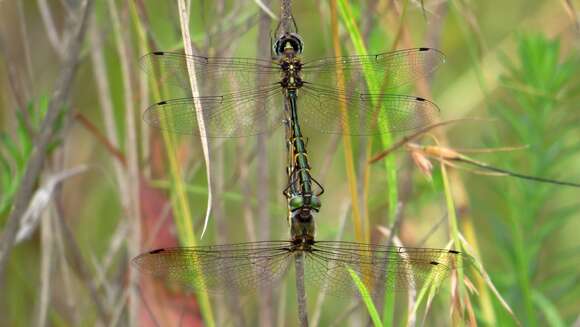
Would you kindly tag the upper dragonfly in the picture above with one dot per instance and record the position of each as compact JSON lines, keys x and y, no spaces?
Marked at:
{"x":243,"y":96}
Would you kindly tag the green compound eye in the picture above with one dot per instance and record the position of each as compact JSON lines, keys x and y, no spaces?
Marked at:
{"x":315,"y":203}
{"x":296,"y":203}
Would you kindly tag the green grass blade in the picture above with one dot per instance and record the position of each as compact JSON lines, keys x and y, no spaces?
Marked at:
{"x":366,"y":297}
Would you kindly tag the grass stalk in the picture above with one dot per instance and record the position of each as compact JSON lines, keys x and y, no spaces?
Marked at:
{"x":184,"y":11}
{"x":386,"y":139}
{"x":346,"y":139}
{"x":186,"y":230}
{"x":132,"y":173}
{"x":367,"y":299}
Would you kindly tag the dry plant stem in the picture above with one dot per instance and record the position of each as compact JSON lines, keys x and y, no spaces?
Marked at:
{"x":16,"y":84}
{"x":132,"y":176}
{"x":111,"y":148}
{"x":53,"y":37}
{"x":262,"y":174}
{"x":571,"y":11}
{"x":414,"y":136}
{"x":46,"y":267}
{"x":184,"y":26}
{"x":75,"y":36}
{"x":75,"y":259}
{"x":286,"y":13}
{"x":246,"y":207}
{"x":346,"y":139}
{"x":187,"y":45}
{"x":300,"y":290}
{"x":105,"y":102}
{"x":26,"y":46}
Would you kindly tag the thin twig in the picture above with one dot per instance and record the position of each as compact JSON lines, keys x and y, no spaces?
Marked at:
{"x":53,"y":37}
{"x":300,"y":290}
{"x":75,"y":36}
{"x":131,"y":143}
{"x":263,"y":174}
{"x":102,"y":139}
{"x":26,"y":45}
{"x":416,"y":135}
{"x":75,"y":259}
{"x":46,"y":267}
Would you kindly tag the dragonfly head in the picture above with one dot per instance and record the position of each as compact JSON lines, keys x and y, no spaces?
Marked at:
{"x":289,"y":43}
{"x":306,"y":202}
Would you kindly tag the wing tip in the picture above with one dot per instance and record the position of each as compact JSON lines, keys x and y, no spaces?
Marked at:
{"x":438,"y":52}
{"x":430,"y":103}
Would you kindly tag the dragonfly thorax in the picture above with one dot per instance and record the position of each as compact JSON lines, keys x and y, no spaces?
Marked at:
{"x":291,"y":67}
{"x":302,"y":226}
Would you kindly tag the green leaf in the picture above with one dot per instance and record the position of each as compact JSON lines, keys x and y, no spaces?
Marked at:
{"x":548,"y":309}
{"x":366,"y":297}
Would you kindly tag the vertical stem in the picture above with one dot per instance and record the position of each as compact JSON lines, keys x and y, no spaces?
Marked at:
{"x":46,"y":267}
{"x":184,"y":23}
{"x":262,"y":174}
{"x":346,"y":140}
{"x":132,"y":177}
{"x":187,"y":227}
{"x":300,"y":289}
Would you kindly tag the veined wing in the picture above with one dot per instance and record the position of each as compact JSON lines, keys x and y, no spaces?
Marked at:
{"x":334,"y":111}
{"x":218,"y":268}
{"x":379,"y":267}
{"x":244,"y":113}
{"x":390,"y":69}
{"x":215,"y":75}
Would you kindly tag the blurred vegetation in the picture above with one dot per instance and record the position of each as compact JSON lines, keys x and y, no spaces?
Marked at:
{"x":516,"y":62}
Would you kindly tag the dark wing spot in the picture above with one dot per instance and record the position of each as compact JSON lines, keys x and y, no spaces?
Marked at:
{"x":424,"y":49}
{"x":161,"y":103}
{"x":156,"y":251}
{"x":434,"y":263}
{"x":420,"y":99}
{"x":454,"y":252}
{"x":159,"y":53}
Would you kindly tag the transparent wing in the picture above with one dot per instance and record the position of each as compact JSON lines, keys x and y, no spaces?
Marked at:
{"x":391,"y":69}
{"x":215,"y":75}
{"x":219,"y":268}
{"x":230,"y":115}
{"x":364,"y":114}
{"x":379,"y":267}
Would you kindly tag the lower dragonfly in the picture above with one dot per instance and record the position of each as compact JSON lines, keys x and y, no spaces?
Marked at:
{"x":247,"y":267}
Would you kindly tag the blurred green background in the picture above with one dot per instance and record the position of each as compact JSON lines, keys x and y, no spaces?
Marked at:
{"x":513,"y":63}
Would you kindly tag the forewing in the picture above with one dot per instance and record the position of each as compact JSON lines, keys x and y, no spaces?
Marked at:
{"x":379,"y":267}
{"x":220,"y":268}
{"x":215,"y":75}
{"x":389,"y":69}
{"x":230,"y":115}
{"x":333,"y":111}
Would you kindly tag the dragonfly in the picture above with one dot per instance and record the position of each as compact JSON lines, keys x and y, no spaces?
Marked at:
{"x":242,"y":96}
{"x":328,"y":265}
